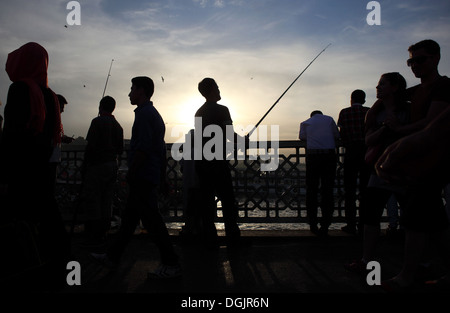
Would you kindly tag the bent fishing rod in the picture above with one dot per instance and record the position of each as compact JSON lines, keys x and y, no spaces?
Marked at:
{"x":273,"y":105}
{"x":107,"y":78}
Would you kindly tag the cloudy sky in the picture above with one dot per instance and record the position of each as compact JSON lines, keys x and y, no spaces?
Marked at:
{"x":253,"y":48}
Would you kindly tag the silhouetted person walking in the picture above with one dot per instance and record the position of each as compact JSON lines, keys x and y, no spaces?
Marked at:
{"x":55,"y":158}
{"x":1,"y":123}
{"x":62,"y":104}
{"x":105,"y":145}
{"x":32,"y":130}
{"x":146,"y":170}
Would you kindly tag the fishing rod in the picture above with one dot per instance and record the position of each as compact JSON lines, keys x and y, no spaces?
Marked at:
{"x":107,"y":77}
{"x":257,"y":124}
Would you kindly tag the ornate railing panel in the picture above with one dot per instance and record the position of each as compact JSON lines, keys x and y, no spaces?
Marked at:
{"x":262,"y":196}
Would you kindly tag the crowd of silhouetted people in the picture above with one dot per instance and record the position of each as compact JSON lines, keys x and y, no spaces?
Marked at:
{"x":396,"y":157}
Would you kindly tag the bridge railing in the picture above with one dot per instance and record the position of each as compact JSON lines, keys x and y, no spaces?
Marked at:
{"x":276,"y":196}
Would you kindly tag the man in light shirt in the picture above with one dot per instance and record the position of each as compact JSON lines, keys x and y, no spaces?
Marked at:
{"x":320,"y":133}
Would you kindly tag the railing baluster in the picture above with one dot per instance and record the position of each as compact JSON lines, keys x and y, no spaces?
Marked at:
{"x":280,"y":193}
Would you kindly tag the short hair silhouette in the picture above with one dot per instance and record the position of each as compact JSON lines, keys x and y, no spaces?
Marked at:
{"x":429,"y":45}
{"x":396,"y":79}
{"x":358,"y":96}
{"x":61,"y":99}
{"x":206,"y":85}
{"x":146,"y":83}
{"x":62,"y":102}
{"x":108,"y":104}
{"x":315,"y":113}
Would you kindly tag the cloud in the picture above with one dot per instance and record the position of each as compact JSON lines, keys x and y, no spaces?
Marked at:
{"x":253,"y":48}
{"x":215,"y":3}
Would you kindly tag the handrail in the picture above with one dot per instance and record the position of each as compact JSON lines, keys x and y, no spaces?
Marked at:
{"x":262,"y":197}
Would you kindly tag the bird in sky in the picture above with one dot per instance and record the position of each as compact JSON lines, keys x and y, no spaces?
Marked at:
{"x":162,"y":78}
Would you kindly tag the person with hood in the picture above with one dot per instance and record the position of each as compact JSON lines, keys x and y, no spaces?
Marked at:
{"x":32,"y":129}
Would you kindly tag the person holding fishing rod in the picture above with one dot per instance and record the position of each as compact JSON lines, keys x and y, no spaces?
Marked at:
{"x":215,"y":175}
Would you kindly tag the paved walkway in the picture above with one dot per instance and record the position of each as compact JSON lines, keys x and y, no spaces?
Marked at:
{"x":276,"y":262}
{"x":282,"y":271}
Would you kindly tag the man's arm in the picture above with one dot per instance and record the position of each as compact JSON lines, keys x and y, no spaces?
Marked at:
{"x":137,"y":163}
{"x":232,"y":135}
{"x":119,"y":139}
{"x":436,"y":108}
{"x":144,"y":141}
{"x":335,"y":131}
{"x":421,"y":154}
{"x":302,"y":133}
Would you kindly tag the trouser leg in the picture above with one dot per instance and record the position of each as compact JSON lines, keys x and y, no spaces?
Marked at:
{"x":155,"y":225}
{"x":328,"y":174}
{"x":350,"y":178}
{"x":130,"y":219}
{"x":312,"y":189}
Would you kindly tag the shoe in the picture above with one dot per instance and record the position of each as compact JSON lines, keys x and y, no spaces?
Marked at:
{"x":314,"y":229}
{"x":94,"y":246}
{"x":165,"y":272}
{"x":104,"y":260}
{"x":392,"y":286}
{"x":391,"y":232}
{"x":238,"y":242}
{"x":349,"y":229}
{"x":323,"y":232}
{"x":425,"y":272}
{"x":437,"y":285}
{"x":357,"y":266}
{"x":212,"y":243}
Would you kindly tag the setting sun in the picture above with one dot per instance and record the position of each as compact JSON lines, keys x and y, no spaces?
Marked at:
{"x":182,"y":118}
{"x":186,"y":110}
